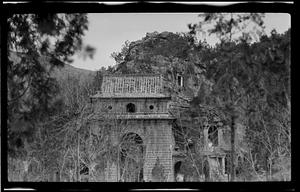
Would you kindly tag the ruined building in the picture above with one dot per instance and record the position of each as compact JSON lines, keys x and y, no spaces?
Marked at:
{"x":141,"y":102}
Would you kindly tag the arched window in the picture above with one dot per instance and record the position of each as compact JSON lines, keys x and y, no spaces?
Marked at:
{"x":130,"y":108}
{"x":213,"y":135}
{"x":177,"y":167}
{"x":220,"y":163}
{"x":180,"y":80}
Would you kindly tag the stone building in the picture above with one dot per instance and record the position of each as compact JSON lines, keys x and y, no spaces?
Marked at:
{"x":142,"y":102}
{"x":139,"y":100}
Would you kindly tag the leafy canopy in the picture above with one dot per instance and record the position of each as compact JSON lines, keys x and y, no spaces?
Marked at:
{"x":36,"y":44}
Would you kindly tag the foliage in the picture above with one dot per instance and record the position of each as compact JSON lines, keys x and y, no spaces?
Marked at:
{"x":269,"y":112}
{"x":230,"y":26}
{"x":131,"y":157}
{"x":234,"y":71}
{"x":36,"y":44}
{"x":166,"y":53}
{"x":75,"y":91}
{"x":151,"y":52}
{"x":226,"y":67}
{"x":236,"y":81}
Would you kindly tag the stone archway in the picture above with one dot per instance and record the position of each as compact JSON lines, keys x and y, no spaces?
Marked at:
{"x":131,"y":158}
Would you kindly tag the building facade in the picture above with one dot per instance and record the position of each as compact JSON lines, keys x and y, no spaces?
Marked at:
{"x":139,"y":101}
{"x":142,"y":105}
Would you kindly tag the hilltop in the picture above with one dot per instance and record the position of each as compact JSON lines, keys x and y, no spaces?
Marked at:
{"x":68,"y":70}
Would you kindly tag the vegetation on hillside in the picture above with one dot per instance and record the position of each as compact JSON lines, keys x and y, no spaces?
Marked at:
{"x":237,"y":81}
{"x":37,"y":45}
{"x":244,"y":82}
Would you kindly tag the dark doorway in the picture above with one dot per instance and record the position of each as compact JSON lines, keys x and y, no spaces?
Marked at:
{"x":206,"y":170}
{"x":177,"y":167}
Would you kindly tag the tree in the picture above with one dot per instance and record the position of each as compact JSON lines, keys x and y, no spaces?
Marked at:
{"x":268,"y":108}
{"x":37,"y":43}
{"x":166,"y":53}
{"x":154,"y":53}
{"x":227,"y":91}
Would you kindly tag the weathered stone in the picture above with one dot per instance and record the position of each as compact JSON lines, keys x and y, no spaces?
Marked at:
{"x":142,"y":102}
{"x":148,"y":118}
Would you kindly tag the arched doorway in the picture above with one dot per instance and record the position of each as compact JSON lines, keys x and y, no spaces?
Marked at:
{"x":131,"y":158}
{"x":177,"y":173}
{"x":239,"y":167}
{"x":206,"y":170}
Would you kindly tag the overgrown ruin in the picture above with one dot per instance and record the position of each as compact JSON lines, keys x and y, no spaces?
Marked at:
{"x":141,"y":102}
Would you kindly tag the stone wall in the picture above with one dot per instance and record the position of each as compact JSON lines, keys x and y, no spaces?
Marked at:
{"x":142,"y":105}
{"x":158,"y":141}
{"x":150,"y":120}
{"x":160,"y":144}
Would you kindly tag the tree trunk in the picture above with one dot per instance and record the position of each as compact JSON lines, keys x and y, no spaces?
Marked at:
{"x":232,"y":178}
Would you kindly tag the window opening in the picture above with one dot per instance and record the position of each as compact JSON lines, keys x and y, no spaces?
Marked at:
{"x":130,"y":108}
{"x":213,"y":135}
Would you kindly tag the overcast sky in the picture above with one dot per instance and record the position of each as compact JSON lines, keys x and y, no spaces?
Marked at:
{"x":108,"y":31}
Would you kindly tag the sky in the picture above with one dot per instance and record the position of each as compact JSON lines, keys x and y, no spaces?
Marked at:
{"x":108,"y":31}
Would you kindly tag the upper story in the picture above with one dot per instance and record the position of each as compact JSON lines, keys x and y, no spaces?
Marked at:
{"x":140,"y":96}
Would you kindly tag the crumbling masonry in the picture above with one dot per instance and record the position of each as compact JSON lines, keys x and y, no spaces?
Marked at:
{"x":141,"y":101}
